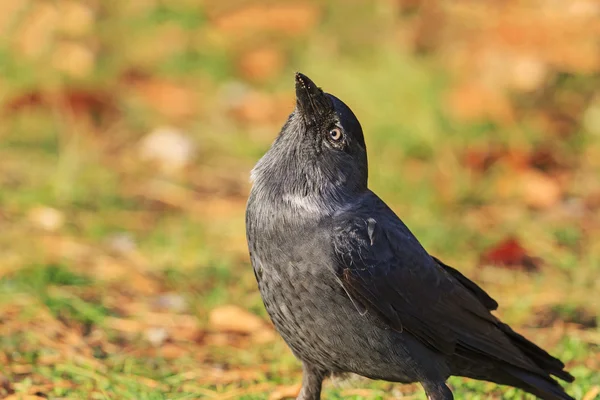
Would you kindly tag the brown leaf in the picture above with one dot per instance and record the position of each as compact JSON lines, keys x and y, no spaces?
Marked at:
{"x":46,"y":218}
{"x":232,"y":318}
{"x":473,"y":101}
{"x":262,"y":63}
{"x":125,"y":325}
{"x":262,"y":108}
{"x":481,"y":159}
{"x":74,"y":59}
{"x":21,"y":369}
{"x":168,"y":98}
{"x":37,"y":30}
{"x":512,"y":255}
{"x":77,"y":18}
{"x":285,"y":392}
{"x":171,"y":351}
{"x":289,"y":18}
{"x":546,"y":317}
{"x":5,"y":385}
{"x":592,"y":393}
{"x":97,"y":104}
{"x":539,"y":189}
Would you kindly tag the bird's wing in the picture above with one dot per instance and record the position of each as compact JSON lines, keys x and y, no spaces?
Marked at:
{"x":384,"y":269}
{"x":478,"y":292}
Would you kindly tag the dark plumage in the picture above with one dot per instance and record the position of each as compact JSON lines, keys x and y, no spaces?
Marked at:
{"x":351,"y":289}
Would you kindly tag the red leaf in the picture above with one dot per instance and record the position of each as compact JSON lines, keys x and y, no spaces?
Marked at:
{"x":511,"y":254}
{"x":78,"y":102}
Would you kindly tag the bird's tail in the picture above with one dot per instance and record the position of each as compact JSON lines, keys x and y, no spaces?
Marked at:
{"x":537,"y":381}
{"x":539,"y":356}
{"x":545,"y":388}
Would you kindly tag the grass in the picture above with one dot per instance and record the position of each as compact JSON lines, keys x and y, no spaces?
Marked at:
{"x":80,"y":303}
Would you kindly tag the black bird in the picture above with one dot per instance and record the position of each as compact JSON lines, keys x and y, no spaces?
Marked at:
{"x":350,"y":288}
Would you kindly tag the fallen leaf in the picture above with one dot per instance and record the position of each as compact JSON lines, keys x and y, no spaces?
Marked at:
{"x":76,"y":18}
{"x":98,"y":105}
{"x":47,"y":218}
{"x":173,"y":302}
{"x":285,"y":392}
{"x":37,"y":30}
{"x":474,"y":101}
{"x":232,"y":318}
{"x":125,"y":325}
{"x":157,"y":336}
{"x":539,"y":190}
{"x":592,"y":393}
{"x":21,"y":369}
{"x":528,"y":73}
{"x":168,"y":98}
{"x":172,"y":351}
{"x":261,"y":108}
{"x":545,"y":159}
{"x":290,"y":18}
{"x":169,"y":147}
{"x":262,"y":63}
{"x":482,"y":158}
{"x":5,"y":385}
{"x":546,"y":317}
{"x":74,"y":59}
{"x":512,"y":255}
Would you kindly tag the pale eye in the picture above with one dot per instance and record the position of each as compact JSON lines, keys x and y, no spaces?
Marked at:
{"x":335,"y":134}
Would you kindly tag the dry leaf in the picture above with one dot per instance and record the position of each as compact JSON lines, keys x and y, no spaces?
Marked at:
{"x":592,"y":393}
{"x":76,"y":19}
{"x":47,"y":218}
{"x":9,"y":12}
{"x":539,"y":190}
{"x":168,"y":147}
{"x":125,"y":325}
{"x":262,"y":108}
{"x":168,"y":98}
{"x":473,"y":101}
{"x":172,"y":351}
{"x":38,"y":29}
{"x":74,"y":59}
{"x":21,"y":369}
{"x":290,"y":18}
{"x":285,"y":392}
{"x":99,"y":105}
{"x":234,"y":319}
{"x":528,"y":73}
{"x":261,"y":64}
{"x":510,"y":254}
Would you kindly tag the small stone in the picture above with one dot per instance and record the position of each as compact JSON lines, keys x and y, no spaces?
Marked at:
{"x":121,"y":243}
{"x":172,"y":302}
{"x":47,"y":218}
{"x":157,"y":336}
{"x":169,"y":147}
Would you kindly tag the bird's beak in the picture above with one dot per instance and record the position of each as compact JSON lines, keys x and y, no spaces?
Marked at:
{"x":311,"y":102}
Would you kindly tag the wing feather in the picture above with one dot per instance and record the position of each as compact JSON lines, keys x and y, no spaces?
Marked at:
{"x":382,"y":267}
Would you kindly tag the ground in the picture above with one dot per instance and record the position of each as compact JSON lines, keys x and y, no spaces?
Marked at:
{"x":127,"y":137}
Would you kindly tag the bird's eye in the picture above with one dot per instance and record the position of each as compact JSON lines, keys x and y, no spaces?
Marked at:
{"x":335,"y":134}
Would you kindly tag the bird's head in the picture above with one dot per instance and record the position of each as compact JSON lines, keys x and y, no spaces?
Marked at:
{"x":320,"y":151}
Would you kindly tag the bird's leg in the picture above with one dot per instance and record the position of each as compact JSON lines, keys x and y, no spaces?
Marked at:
{"x":437,"y":391}
{"x":312,"y":380}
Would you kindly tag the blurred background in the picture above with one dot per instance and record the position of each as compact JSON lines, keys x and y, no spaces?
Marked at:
{"x":128,"y":130}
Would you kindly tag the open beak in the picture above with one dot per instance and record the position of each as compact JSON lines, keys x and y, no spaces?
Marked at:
{"x":310,"y":100}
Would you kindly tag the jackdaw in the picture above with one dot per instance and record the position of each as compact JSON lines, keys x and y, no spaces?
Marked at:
{"x":349,"y":287}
